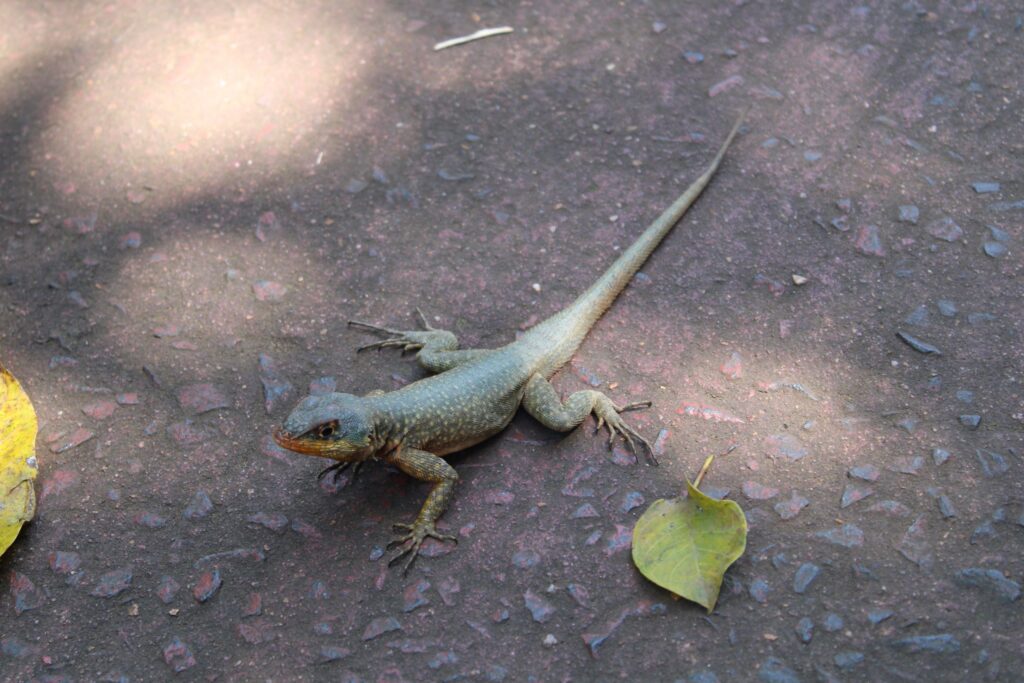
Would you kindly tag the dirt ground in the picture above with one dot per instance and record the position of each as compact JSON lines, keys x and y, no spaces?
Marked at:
{"x":196,"y":196}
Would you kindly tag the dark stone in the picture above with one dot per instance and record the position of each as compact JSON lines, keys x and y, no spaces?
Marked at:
{"x":945,"y":229}
{"x":918,"y":345}
{"x":804,"y":629}
{"x":970,"y":421}
{"x":848,"y":660}
{"x":877,"y":616}
{"x":113,"y":583}
{"x":992,"y":464}
{"x":540,"y":609}
{"x":199,"y":507}
{"x":178,"y":656}
{"x":832,"y":622}
{"x":773,"y":670}
{"x":990,"y":580}
{"x":759,"y":590}
{"x":943,"y":643}
{"x":805,"y":576}
{"x":380,"y":626}
{"x":908,"y":213}
{"x":207,"y":586}
{"x":847,"y":536}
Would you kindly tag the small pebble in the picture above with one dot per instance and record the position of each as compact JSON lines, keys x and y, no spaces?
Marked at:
{"x":908,"y":213}
{"x":804,"y":629}
{"x":832,"y":622}
{"x":919,"y":316}
{"x":985,"y":188}
{"x":380,"y":626}
{"x":994,"y":249}
{"x":199,"y":507}
{"x":773,"y":670}
{"x":726,"y":85}
{"x":945,"y":229}
{"x":759,"y":590}
{"x":942,"y":643}
{"x":178,"y":656}
{"x":848,"y":660}
{"x":853,"y":493}
{"x":991,"y":580}
{"x":877,"y":616}
{"x":805,"y":576}
{"x":992,"y":464}
{"x":540,"y":609}
{"x":113,"y":583}
{"x":869,"y":241}
{"x":788,"y":509}
{"x":998,"y":234}
{"x":946,"y":307}
{"x":907,"y":464}
{"x":632,"y":500}
{"x":756,"y":491}
{"x":207,"y":586}
{"x":918,"y":345}
{"x":970,"y":421}
{"x":847,"y":536}
{"x":865,"y":472}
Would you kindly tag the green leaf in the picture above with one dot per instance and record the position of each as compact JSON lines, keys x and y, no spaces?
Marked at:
{"x":686,"y":544}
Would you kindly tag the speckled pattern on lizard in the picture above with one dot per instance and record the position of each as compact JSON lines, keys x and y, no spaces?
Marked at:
{"x":475,"y":392}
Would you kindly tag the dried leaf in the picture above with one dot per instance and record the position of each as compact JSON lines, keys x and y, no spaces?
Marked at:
{"x":686,"y":544}
{"x":18,"y":428}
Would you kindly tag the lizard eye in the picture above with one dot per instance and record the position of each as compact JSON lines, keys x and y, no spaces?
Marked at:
{"x":327,"y":431}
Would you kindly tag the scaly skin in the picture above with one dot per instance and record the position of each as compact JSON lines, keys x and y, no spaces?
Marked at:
{"x":476,"y":391}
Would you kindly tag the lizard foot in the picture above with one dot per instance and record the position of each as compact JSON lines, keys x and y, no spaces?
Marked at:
{"x":609,"y":415}
{"x":417,"y":533}
{"x":337,"y":468}
{"x":411,"y":340}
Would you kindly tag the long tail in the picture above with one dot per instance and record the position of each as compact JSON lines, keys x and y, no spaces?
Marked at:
{"x":565,"y":330}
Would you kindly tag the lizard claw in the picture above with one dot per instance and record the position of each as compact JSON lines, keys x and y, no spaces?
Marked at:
{"x":417,"y":533}
{"x":372,"y":328}
{"x":337,"y":468}
{"x":609,"y":416}
{"x":422,"y":319}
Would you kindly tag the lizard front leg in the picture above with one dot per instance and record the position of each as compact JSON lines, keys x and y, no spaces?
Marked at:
{"x":437,"y":350}
{"x":425,"y":467}
{"x":541,"y":401}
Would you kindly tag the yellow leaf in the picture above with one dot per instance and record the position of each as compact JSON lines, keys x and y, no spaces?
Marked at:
{"x":18,"y":428}
{"x":686,"y":544}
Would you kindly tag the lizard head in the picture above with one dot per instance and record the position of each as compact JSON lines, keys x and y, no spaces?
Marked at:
{"x":336,"y":426}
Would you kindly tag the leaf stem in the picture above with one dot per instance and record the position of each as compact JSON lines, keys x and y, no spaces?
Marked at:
{"x":703,"y":470}
{"x":707,"y":465}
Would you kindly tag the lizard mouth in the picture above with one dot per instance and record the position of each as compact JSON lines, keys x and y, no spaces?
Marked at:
{"x":305,"y":446}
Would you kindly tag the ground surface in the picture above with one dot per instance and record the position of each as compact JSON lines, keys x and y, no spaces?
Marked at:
{"x":191,"y":189}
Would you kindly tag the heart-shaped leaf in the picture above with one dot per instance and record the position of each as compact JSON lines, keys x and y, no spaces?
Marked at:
{"x":686,"y":544}
{"x":18,"y":427}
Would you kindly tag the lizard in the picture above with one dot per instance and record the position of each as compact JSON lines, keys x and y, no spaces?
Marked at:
{"x":474,"y":393}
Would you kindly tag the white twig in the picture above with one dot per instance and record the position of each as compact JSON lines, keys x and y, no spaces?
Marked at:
{"x":482,"y":33}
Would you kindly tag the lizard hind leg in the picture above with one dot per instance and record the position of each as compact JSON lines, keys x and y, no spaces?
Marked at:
{"x":542,"y":402}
